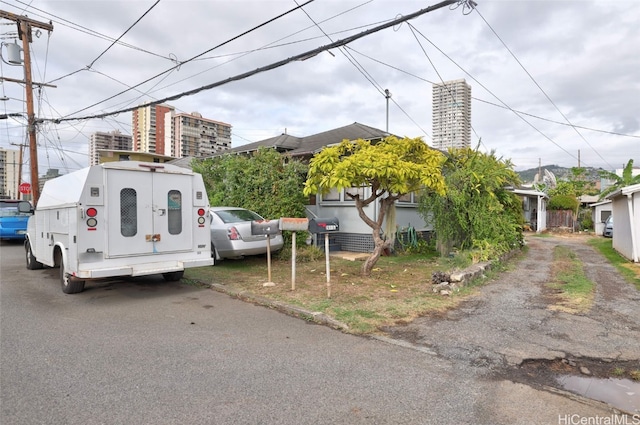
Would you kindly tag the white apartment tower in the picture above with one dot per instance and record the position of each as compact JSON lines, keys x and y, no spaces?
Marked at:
{"x":9,"y":173}
{"x":451,"y":117}
{"x":199,"y":137}
{"x":113,"y":140}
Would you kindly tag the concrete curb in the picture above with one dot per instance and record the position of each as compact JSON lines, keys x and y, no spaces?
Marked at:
{"x":291,"y":310}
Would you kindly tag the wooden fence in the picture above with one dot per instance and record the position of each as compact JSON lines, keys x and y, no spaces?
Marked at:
{"x":560,"y":218}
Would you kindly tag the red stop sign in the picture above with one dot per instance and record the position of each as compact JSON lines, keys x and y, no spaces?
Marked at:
{"x":25,"y":188}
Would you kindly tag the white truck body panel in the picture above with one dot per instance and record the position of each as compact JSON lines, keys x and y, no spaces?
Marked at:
{"x":148,"y":219}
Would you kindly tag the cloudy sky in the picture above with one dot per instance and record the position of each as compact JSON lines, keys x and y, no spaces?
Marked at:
{"x":552,"y":81}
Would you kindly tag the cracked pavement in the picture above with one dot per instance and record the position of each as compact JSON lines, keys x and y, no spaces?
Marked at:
{"x":509,"y":320}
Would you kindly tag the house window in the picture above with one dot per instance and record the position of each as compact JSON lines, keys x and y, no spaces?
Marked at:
{"x":123,"y":158}
{"x":406,"y":199}
{"x":333,"y":195}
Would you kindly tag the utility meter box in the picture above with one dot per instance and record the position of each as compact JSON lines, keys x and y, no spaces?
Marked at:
{"x":265,"y":227}
{"x":324,"y":225}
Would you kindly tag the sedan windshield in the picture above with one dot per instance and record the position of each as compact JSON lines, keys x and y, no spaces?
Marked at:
{"x":236,"y":216}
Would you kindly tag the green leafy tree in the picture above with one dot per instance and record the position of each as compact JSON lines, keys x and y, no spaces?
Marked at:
{"x":563,"y":202}
{"x":627,"y":179}
{"x":266,"y":182}
{"x":477,"y":210}
{"x":392,"y":168}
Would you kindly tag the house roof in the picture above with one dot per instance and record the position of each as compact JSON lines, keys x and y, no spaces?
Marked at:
{"x":530,"y":192}
{"x":308,"y":145}
{"x":597,"y":204}
{"x":628,"y":190}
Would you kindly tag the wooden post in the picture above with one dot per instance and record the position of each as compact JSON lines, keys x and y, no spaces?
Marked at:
{"x":293,"y":261}
{"x":326,"y":254}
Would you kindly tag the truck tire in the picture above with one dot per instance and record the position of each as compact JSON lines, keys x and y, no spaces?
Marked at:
{"x":32,"y":263}
{"x":173,"y":276}
{"x":69,"y":285}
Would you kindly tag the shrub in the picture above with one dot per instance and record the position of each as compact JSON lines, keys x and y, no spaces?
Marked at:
{"x":563,"y":202}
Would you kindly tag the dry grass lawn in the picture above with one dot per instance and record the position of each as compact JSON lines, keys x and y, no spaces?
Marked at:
{"x":398,"y":290}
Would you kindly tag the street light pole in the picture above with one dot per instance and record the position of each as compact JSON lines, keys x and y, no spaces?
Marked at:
{"x":387,"y":95}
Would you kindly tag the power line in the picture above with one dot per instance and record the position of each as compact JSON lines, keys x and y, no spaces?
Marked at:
{"x":541,"y":89}
{"x":497,"y":98}
{"x":613,"y":133}
{"x":301,"y":56}
{"x":123,"y":34}
{"x":195,"y":57}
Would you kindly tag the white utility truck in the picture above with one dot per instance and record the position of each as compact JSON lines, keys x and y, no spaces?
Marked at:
{"x":125,"y":218}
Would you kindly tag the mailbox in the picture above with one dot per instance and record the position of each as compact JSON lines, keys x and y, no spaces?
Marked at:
{"x":294,"y":224}
{"x":265,"y":227}
{"x":324,"y":225}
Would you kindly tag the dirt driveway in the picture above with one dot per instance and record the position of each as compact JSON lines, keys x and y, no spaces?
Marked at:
{"x":510,"y":323}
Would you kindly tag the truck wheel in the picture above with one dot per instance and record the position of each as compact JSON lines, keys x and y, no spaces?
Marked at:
{"x":173,"y":276}
{"x":69,"y":285}
{"x":32,"y":263}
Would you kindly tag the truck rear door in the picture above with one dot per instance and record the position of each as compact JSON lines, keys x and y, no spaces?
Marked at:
{"x":149,"y":212}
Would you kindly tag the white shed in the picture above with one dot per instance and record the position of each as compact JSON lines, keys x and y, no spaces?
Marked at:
{"x":625,"y":204}
{"x":600,"y":211}
{"x":534,"y":208}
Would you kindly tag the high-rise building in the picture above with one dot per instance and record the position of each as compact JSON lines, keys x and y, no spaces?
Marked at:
{"x":113,"y":140}
{"x":152,"y":129}
{"x":451,"y":117}
{"x":199,"y":137}
{"x":9,"y":173}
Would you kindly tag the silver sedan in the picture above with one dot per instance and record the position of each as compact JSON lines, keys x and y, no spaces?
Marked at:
{"x":231,"y":234}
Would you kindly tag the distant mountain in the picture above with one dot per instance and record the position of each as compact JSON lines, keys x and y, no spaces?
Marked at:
{"x":561,"y":173}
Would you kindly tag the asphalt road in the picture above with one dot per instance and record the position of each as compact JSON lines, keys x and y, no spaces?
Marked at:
{"x":145,"y":351}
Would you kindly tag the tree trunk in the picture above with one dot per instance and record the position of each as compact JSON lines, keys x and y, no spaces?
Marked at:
{"x":379,"y":243}
{"x":379,"y":246}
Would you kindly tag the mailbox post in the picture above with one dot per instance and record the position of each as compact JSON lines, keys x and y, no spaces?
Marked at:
{"x":266,"y":228}
{"x":325,"y":226}
{"x":293,"y":224}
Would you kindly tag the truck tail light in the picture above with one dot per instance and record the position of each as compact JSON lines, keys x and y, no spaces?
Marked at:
{"x":233,"y":234}
{"x":92,"y":222}
{"x":201,"y":219}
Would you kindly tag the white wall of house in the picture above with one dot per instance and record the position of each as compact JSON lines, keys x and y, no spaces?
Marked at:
{"x":626,"y":224}
{"x":599,"y":213}
{"x":353,"y":228}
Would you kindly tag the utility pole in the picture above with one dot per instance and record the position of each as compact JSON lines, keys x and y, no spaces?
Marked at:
{"x":387,"y":95}
{"x":24,"y":33}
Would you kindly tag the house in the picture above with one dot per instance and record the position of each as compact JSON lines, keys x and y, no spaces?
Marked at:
{"x":534,"y":208}
{"x":599,"y":213}
{"x":625,"y":207}
{"x":354,"y":235}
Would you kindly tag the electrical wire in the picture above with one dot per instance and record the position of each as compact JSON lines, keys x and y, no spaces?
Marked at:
{"x":497,"y":98}
{"x":123,"y":34}
{"x":613,"y":133}
{"x":194,"y":57}
{"x":298,"y":57}
{"x":466,"y":118}
{"x":541,"y":89}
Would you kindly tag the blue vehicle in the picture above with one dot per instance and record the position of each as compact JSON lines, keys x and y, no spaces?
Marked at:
{"x":14,"y":215}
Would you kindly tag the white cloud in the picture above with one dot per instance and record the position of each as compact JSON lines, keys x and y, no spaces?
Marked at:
{"x":582,"y":53}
